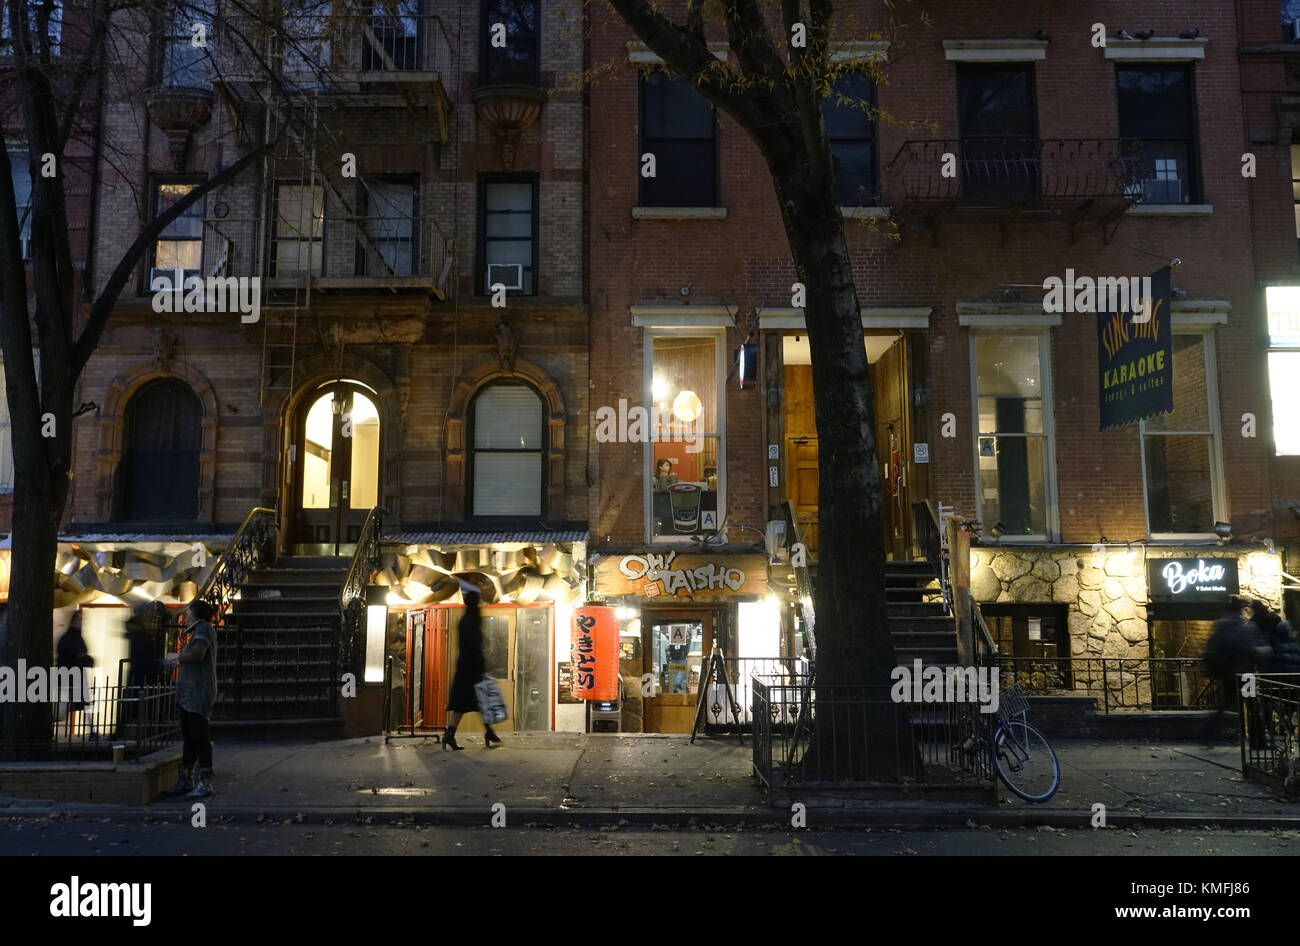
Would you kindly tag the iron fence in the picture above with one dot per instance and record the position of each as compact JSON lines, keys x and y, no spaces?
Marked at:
{"x":810,"y":736}
{"x":736,"y":713}
{"x":141,"y":718}
{"x":1270,"y":731}
{"x":1119,"y":683}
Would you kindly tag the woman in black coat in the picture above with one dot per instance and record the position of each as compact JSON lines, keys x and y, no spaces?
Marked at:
{"x":470,"y":669}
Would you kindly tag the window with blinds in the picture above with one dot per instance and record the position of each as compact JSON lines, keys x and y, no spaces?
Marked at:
{"x":508,"y":444}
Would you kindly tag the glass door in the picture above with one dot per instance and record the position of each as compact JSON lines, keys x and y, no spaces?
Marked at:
{"x":337,"y":481}
{"x":675,"y":646}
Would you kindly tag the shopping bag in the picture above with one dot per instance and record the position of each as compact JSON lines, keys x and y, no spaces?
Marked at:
{"x":491,"y":704}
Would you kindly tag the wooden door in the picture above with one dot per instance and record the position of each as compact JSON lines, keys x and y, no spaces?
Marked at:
{"x":675,"y":645}
{"x":801,"y":485}
{"x":499,"y":644}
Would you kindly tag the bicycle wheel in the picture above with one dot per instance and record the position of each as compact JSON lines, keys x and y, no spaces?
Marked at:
{"x":1025,"y":761}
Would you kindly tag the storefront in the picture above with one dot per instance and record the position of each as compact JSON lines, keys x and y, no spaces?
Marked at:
{"x":529,"y":585}
{"x":674,"y":612}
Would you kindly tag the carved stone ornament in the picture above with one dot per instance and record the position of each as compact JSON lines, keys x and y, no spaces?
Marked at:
{"x":507,"y":345}
{"x":164,"y":349}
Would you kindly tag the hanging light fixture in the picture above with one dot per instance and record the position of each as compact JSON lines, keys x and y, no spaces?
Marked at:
{"x":687,"y":407}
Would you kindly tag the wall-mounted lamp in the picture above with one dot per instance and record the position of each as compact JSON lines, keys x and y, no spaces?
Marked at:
{"x":376,"y":631}
{"x":1223,"y":530}
{"x":747,"y":365}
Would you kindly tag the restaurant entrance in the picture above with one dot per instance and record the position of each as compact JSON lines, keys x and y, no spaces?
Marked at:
{"x":674,"y":645}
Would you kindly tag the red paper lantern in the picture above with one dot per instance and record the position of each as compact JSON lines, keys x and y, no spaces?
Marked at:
{"x":595,"y":653}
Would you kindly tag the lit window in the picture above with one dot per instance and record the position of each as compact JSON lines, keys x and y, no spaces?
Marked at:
{"x":509,"y":445}
{"x":180,"y":245}
{"x":1179,"y":449}
{"x":683,"y":465}
{"x":1014,"y":487}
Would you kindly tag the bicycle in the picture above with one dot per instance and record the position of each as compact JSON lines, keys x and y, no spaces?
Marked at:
{"x":1024,"y":760}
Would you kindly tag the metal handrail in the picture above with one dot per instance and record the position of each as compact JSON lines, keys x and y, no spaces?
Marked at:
{"x":802,"y":582}
{"x":244,"y":553}
{"x":989,"y":647}
{"x":365,"y":559}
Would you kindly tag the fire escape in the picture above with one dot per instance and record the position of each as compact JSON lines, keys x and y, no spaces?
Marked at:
{"x":1080,"y":181}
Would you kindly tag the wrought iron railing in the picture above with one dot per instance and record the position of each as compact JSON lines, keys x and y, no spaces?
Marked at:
{"x":1119,"y":683}
{"x":928,"y":539}
{"x":1019,"y":170}
{"x":802,"y":581}
{"x":736,"y":713}
{"x":252,"y":547}
{"x":810,"y":736}
{"x":352,"y":596}
{"x":141,"y":718}
{"x":1270,"y":732}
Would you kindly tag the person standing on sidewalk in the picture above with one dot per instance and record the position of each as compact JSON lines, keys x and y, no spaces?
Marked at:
{"x":470,"y":669}
{"x":196,"y":694}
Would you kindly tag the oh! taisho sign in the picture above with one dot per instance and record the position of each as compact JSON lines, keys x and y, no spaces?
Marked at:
{"x":655,"y":574}
{"x":1181,"y":579}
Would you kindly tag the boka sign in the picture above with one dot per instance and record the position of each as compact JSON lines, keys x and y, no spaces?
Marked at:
{"x":1181,"y":579}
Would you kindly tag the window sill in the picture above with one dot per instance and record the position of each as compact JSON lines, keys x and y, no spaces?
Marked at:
{"x":679,"y":213}
{"x":1172,"y":210}
{"x":855,"y":213}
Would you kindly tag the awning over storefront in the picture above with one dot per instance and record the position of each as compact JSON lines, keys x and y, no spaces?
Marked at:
{"x":507,"y":567}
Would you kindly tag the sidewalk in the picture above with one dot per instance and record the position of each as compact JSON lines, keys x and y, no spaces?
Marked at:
{"x":560,"y":778}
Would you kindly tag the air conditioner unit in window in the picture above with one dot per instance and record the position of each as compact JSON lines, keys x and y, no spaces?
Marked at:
{"x":510,"y":275}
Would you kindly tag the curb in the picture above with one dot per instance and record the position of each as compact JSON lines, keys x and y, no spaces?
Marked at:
{"x":701,"y":817}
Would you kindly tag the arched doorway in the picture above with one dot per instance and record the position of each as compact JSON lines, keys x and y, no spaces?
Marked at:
{"x":336,"y":481}
{"x":158,"y":480}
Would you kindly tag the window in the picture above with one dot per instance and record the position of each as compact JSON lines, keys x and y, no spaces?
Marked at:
{"x":509,"y":445}
{"x":1015,"y":491}
{"x":508,"y":234}
{"x":851,"y":124}
{"x":518,"y":61}
{"x":159,"y":475}
{"x":398,"y":27}
{"x":685,"y":468}
{"x":35,"y":10}
{"x":1283,"y":303}
{"x":299,"y":230}
{"x":1295,"y":188}
{"x":999,"y":138}
{"x":1039,"y":635}
{"x":183,"y":63}
{"x":678,"y":128}
{"x":305,"y":50}
{"x":1180,"y":449}
{"x":390,"y":214}
{"x":1156,"y":110}
{"x":180,"y":245}
{"x":6,"y":428}
{"x":21,"y":172}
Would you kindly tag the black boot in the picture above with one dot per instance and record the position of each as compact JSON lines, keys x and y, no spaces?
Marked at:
{"x":490,"y":737}
{"x":449,"y":739}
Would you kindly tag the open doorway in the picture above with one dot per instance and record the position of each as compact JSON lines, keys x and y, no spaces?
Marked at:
{"x":888,"y":361}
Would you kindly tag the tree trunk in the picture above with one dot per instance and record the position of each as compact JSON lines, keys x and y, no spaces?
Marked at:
{"x":857,"y":740}
{"x":25,"y":728}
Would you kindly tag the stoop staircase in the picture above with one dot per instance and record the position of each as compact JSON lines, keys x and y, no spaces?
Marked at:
{"x":279,"y":653}
{"x":920,"y":626}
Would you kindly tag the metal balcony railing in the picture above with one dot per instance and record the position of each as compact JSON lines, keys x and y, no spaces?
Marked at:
{"x":336,"y":250}
{"x":999,"y":172}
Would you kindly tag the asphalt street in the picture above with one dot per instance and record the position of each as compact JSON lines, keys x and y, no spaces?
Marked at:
{"x":107,"y":837}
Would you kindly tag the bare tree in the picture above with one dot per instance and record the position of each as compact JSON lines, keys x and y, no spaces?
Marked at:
{"x":57,"y":58}
{"x":775,"y":96}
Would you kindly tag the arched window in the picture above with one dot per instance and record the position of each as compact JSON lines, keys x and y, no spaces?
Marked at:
{"x":509,"y":442}
{"x":159,"y":475}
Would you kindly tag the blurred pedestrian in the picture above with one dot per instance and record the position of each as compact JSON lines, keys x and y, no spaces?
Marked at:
{"x":196,"y":694}
{"x":1282,"y":637}
{"x":470,"y":669}
{"x":1236,"y":646}
{"x":144,"y":663}
{"x":72,"y":651}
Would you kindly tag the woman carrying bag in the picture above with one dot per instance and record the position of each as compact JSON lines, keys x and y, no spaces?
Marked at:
{"x":470,"y":670}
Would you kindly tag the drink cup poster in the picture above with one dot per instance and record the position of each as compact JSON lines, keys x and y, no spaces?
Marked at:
{"x":1136,"y":357}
